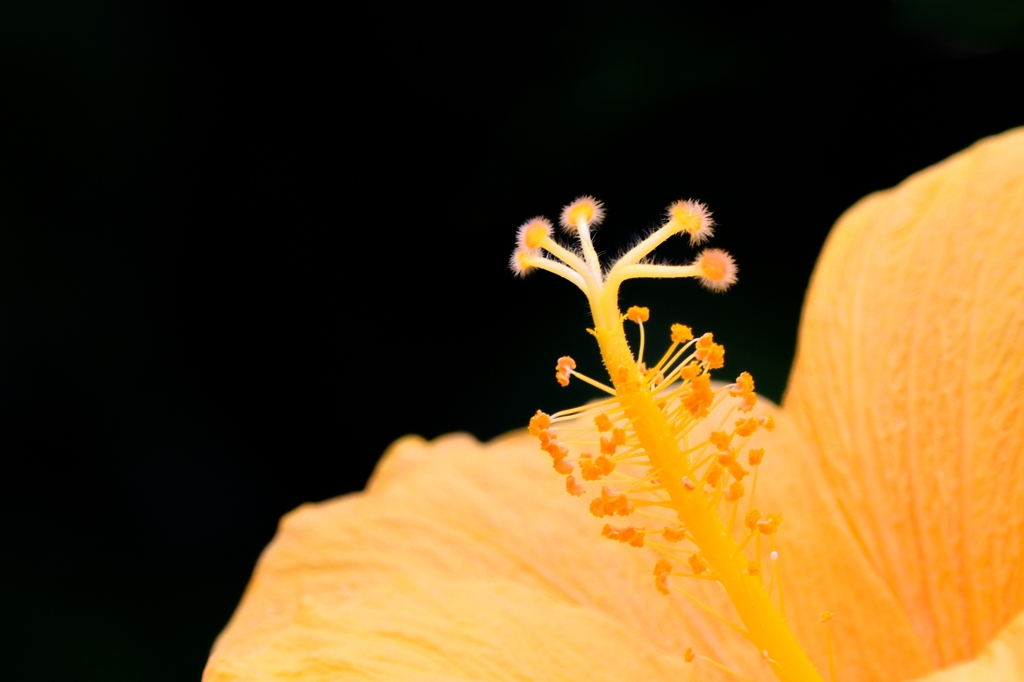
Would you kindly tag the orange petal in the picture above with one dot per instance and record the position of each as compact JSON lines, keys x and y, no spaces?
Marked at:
{"x":822,"y":566}
{"x":909,"y":384}
{"x":1003,"y":659}
{"x":462,"y":561}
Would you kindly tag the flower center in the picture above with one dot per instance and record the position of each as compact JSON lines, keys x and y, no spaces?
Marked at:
{"x":648,"y":447}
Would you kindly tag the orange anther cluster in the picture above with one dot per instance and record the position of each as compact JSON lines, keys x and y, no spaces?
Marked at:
{"x":716,"y":357}
{"x":729,"y":462}
{"x":565,"y":364}
{"x":825,"y":617}
{"x":688,"y":654}
{"x":767,"y":422}
{"x":746,"y":427}
{"x":681,"y":333}
{"x":603,"y":423}
{"x":770,"y":524}
{"x":538,"y":423}
{"x":744,"y":388}
{"x":698,"y":396}
{"x":697,"y":563}
{"x":751,"y":519}
{"x":662,"y":569}
{"x":574,"y":487}
{"x":755,"y":456}
{"x":753,"y":568}
{"x":734,"y":492}
{"x":711,"y":353}
{"x":610,"y":503}
{"x":720,"y":439}
{"x":617,"y":439}
{"x":673,"y":534}
{"x":638,"y":314}
{"x":690,"y":372}
{"x":688,"y":484}
{"x":633,"y":536}
{"x":593,"y":469}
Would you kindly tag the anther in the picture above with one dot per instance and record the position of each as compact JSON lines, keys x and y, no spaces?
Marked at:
{"x":770,"y":524}
{"x":603,"y":423}
{"x":825,"y":617}
{"x":593,"y":470}
{"x":539,"y":422}
{"x":563,"y":466}
{"x":563,"y":368}
{"x":688,"y":484}
{"x":720,"y":439}
{"x":610,"y":503}
{"x":690,"y":371}
{"x":714,"y":475}
{"x":709,"y":352}
{"x":629,"y":534}
{"x":556,"y":451}
{"x":688,"y":654}
{"x":681,"y":333}
{"x":573,"y":487}
{"x":751,"y":519}
{"x":734,"y":492}
{"x":638,"y":314}
{"x":737,"y":471}
{"x":662,"y":569}
{"x":747,"y":427}
{"x":744,"y":385}
{"x":744,"y":388}
{"x":755,"y":456}
{"x":697,"y":563}
{"x":673,"y":534}
{"x":698,"y":396}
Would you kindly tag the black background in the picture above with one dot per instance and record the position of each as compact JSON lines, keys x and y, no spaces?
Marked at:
{"x":245,"y":247}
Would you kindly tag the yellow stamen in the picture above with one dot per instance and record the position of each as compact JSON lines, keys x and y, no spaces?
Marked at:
{"x":655,"y":412}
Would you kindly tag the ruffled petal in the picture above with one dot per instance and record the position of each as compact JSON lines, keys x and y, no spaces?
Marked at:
{"x":909,"y":385}
{"x":463,"y":561}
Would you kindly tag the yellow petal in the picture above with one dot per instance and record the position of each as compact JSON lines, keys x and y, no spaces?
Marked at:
{"x":909,"y":385}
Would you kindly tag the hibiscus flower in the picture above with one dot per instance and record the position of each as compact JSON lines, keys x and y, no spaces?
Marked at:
{"x":896,"y":460}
